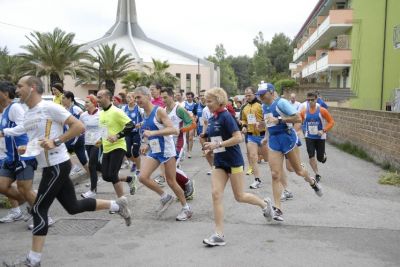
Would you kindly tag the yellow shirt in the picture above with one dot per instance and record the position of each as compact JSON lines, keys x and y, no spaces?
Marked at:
{"x":113,"y":121}
{"x":57,"y":99}
{"x":255,"y":112}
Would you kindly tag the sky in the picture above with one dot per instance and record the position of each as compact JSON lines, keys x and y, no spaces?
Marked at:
{"x":193,"y":26}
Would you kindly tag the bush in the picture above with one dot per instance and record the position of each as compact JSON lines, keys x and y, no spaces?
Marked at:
{"x":390,"y":178}
{"x":284,"y":83}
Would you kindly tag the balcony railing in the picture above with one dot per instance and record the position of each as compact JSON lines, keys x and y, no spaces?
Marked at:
{"x":336,"y":18}
{"x":334,"y":58}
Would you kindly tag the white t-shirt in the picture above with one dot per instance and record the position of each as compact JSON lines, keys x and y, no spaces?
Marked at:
{"x":304,"y":106}
{"x":206,"y":114}
{"x":46,"y":120}
{"x":2,"y":144}
{"x":92,"y":129}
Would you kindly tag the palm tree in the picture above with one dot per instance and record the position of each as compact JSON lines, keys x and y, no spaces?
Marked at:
{"x":12,"y":68}
{"x":160,"y":75}
{"x":134,"y":79}
{"x":54,"y":54}
{"x":113,"y":64}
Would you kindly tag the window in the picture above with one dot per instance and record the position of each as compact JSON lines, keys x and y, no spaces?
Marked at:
{"x":188,"y":82}
{"x":338,"y":81}
{"x":198,"y":82}
{"x":178,"y":76}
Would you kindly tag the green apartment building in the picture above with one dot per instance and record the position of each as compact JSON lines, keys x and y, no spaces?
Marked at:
{"x":376,"y":60}
{"x":352,"y":45}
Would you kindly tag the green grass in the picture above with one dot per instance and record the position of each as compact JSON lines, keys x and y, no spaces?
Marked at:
{"x":390,"y":178}
{"x":4,"y":203}
{"x":354,"y":150}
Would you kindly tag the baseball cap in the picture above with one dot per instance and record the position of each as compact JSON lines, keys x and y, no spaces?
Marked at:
{"x":264,"y":87}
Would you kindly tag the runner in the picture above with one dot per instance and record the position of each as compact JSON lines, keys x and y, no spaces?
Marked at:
{"x":223,"y":138}
{"x":282,"y":141}
{"x":189,"y":106}
{"x":57,"y":90}
{"x":76,"y":144}
{"x":318,"y":121}
{"x":14,"y":168}
{"x":198,"y":111}
{"x":135,"y":113}
{"x":251,"y":115}
{"x":114,"y":125}
{"x":181,"y":120}
{"x":90,"y":119}
{"x":206,"y":115}
{"x":44,"y":121}
{"x":157,"y":130}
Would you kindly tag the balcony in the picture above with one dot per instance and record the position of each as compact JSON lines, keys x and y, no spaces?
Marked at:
{"x":336,"y":23}
{"x":335,"y":59}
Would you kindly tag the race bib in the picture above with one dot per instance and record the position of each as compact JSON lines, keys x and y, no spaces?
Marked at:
{"x":251,"y":119}
{"x":217,"y":139}
{"x":313,"y":129}
{"x":155,"y":145}
{"x":33,"y":149}
{"x":104,"y":133}
{"x":266,"y":117}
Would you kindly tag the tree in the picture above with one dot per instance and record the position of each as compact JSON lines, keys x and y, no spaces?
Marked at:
{"x":112,"y":64}
{"x":134,"y":79}
{"x":53,"y":54}
{"x":262,"y":67}
{"x":159,"y":74}
{"x":12,"y":68}
{"x":227,"y":73}
{"x":280,"y":53}
{"x":242,"y":66}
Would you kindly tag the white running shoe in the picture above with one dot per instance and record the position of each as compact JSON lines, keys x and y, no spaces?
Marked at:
{"x":89,"y":194}
{"x":75,"y":170}
{"x":256,"y":184}
{"x":12,"y":217}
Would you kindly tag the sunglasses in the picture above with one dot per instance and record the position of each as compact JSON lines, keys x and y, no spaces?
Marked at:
{"x":311,"y":100}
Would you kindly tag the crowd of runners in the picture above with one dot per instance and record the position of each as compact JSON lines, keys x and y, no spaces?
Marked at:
{"x":153,"y":129}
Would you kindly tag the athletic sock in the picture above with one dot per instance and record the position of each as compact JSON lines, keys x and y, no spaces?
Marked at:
{"x":114,"y":207}
{"x":34,"y":257}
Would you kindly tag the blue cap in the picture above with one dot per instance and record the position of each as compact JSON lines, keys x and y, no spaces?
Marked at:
{"x":264,"y":87}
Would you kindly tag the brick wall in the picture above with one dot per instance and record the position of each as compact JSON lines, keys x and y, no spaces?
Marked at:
{"x":376,"y":132}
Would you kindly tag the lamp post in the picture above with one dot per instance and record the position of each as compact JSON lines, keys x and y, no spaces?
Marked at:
{"x":97,"y":66}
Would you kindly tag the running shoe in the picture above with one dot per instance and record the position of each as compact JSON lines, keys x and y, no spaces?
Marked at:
{"x":214,"y":240}
{"x":50,"y":222}
{"x":249,"y":171}
{"x":189,"y":190}
{"x":89,"y":194}
{"x":286,"y":195}
{"x":132,"y":185}
{"x":189,"y":155}
{"x":25,"y":262}
{"x":317,"y":188}
{"x":317,"y":178}
{"x":160,"y":180}
{"x":278,"y":215}
{"x":165,"y":203}
{"x":125,"y":164}
{"x":185,"y":214}
{"x":256,"y":184}
{"x":124,"y":211}
{"x":209,"y":172}
{"x":268,"y":211}
{"x":12,"y":216}
{"x":75,"y":170}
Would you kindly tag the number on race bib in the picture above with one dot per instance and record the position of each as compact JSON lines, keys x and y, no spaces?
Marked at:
{"x":155,"y":146}
{"x":217,"y":139}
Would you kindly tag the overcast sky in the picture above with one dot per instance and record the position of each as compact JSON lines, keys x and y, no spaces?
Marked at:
{"x":193,"y":26}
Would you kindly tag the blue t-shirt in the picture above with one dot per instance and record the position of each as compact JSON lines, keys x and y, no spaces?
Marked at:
{"x":224,"y":125}
{"x":134,"y":115}
{"x":322,"y":103}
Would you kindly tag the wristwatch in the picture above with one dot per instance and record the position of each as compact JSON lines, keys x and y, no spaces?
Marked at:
{"x":57,"y":142}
